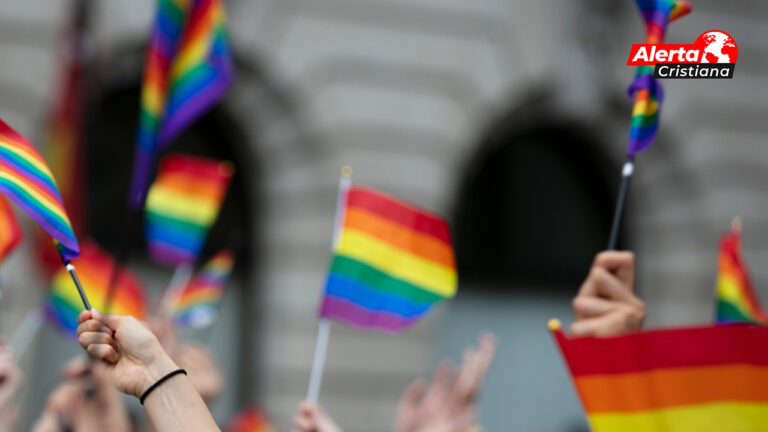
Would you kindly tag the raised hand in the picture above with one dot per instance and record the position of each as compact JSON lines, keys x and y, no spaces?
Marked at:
{"x":133,"y":356}
{"x":10,"y":382}
{"x":312,"y":418}
{"x":448,"y":402}
{"x":606,"y":304}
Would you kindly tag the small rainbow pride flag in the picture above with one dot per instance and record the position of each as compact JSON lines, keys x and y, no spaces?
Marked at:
{"x":94,"y":267}
{"x":188,"y":69}
{"x":196,"y":306}
{"x":393,"y":261}
{"x":646,"y":90}
{"x":26,"y":179}
{"x":736,"y":299}
{"x":706,"y":379}
{"x":182,"y":205}
{"x":250,"y":420}
{"x":10,"y":231}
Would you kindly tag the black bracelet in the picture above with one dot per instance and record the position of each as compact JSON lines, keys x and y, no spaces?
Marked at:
{"x":160,"y":381}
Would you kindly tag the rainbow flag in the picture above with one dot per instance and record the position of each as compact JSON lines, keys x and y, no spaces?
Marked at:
{"x":196,"y":306}
{"x":188,"y":69}
{"x":63,"y":145}
{"x":707,"y":379}
{"x":392,"y":262}
{"x":182,"y":204}
{"x":94,"y":267}
{"x":10,"y":231}
{"x":736,"y":299}
{"x":250,"y":420}
{"x":646,"y":90}
{"x":27,"y":181}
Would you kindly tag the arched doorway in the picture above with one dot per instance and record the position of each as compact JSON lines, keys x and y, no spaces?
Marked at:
{"x":533,"y":207}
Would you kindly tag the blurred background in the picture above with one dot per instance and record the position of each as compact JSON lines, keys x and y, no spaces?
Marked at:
{"x":507,"y":116}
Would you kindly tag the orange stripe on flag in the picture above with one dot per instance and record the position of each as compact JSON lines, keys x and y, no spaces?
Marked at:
{"x":666,"y":388}
{"x":401,"y":237}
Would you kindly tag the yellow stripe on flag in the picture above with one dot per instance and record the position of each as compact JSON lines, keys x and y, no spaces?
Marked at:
{"x":645,"y":108}
{"x":430,"y":276}
{"x":730,"y":290}
{"x":170,"y":202}
{"x":716,"y":417}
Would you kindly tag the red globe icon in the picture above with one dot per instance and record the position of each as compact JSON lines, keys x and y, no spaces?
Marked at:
{"x":718,"y":47}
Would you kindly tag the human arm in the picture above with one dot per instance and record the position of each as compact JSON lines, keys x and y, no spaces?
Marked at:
{"x":134,"y":360}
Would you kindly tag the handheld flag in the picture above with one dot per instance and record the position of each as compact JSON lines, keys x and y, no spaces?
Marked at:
{"x":10,"y":231}
{"x":182,"y":205}
{"x":95,"y":266}
{"x":648,"y":95}
{"x":250,"y":420}
{"x":27,"y":181}
{"x":647,"y":91}
{"x":63,"y":146}
{"x":188,"y":68}
{"x":706,"y":379}
{"x":736,"y":299}
{"x":196,"y":306}
{"x":391,"y":264}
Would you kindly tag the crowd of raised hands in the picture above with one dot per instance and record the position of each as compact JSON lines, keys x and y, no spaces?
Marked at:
{"x":174,"y":380}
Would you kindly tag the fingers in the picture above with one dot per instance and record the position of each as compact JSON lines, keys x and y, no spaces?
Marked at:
{"x":93,"y":326}
{"x":103,"y":352}
{"x":589,"y":307}
{"x":623,"y":319}
{"x":619,"y":263}
{"x":414,"y":392}
{"x":602,"y":283}
{"x":84,"y":316}
{"x":95,"y":338}
{"x":110,"y":320}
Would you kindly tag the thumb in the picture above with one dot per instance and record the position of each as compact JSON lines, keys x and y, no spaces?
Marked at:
{"x":110,"y":320}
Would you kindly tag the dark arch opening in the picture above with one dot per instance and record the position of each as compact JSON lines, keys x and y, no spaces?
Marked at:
{"x":110,"y":140}
{"x":535,"y":205}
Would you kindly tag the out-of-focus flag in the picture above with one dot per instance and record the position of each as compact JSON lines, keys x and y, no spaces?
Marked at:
{"x":10,"y":231}
{"x":647,"y":91}
{"x":392,"y":262}
{"x":26,"y":179}
{"x":188,"y":68}
{"x":196,"y":306}
{"x":706,"y":379}
{"x":64,"y":145}
{"x":250,"y":420}
{"x":736,"y":299}
{"x":94,"y":267}
{"x":182,"y":205}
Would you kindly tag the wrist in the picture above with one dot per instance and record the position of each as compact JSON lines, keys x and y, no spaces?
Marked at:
{"x":156,"y":371}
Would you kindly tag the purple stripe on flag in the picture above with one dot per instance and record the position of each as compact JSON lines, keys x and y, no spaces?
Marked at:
{"x":357,"y":316}
{"x":142,"y":170}
{"x":193,"y":108}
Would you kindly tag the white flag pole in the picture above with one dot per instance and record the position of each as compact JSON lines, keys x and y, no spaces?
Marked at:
{"x":26,"y":331}
{"x":176,"y":287}
{"x":324,"y":326}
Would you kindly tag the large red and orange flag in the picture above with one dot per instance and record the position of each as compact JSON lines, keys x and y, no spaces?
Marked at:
{"x":736,"y":299}
{"x":706,"y":379}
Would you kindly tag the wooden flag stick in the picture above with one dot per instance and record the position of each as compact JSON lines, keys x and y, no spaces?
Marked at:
{"x":324,"y":326}
{"x":626,"y":176}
